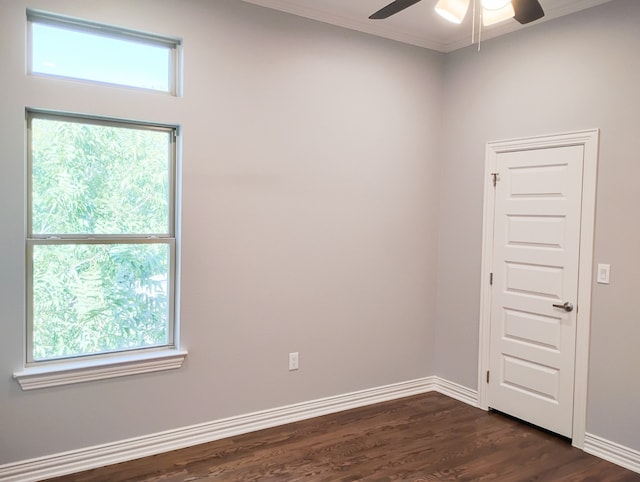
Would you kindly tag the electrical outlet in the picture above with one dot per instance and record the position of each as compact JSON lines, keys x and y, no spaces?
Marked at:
{"x":293,"y":361}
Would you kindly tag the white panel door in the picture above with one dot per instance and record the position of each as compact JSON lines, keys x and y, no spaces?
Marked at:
{"x":535,"y":272}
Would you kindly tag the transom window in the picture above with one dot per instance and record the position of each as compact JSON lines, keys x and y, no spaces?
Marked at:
{"x":101,"y":236}
{"x":77,"y":49}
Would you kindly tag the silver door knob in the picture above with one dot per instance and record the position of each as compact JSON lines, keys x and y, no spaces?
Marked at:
{"x":566,"y":306}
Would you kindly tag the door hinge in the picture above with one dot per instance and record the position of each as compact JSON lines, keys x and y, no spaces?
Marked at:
{"x":487,"y":376}
{"x":491,"y":279}
{"x":496,"y":178}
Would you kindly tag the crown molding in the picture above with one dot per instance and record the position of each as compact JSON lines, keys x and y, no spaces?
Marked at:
{"x":361,"y":25}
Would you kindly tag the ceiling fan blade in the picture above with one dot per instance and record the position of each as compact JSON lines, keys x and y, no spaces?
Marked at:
{"x":392,"y":9}
{"x":527,"y":10}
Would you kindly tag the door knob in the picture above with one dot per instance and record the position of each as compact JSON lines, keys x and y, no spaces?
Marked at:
{"x":568,"y":307}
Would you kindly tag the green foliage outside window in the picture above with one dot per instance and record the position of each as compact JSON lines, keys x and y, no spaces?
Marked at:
{"x":110,"y":293}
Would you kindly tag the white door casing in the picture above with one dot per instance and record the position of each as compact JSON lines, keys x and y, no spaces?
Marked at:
{"x":538,"y":243}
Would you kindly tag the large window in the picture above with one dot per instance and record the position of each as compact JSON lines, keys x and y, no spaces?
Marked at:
{"x":101,"y":236}
{"x":64,"y":47}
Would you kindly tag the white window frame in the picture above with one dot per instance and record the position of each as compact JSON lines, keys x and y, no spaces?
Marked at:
{"x":63,"y":371}
{"x":174,"y":45}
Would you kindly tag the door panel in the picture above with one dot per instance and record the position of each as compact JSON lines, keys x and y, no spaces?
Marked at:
{"x":533,"y":279}
{"x":540,"y":231}
{"x":538,"y":330}
{"x":531,"y":378}
{"x":535,"y":265}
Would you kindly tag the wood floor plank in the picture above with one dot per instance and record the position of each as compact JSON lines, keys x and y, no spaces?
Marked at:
{"x":423,"y":438}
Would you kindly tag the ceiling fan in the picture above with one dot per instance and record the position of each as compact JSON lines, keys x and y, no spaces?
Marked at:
{"x":524,"y":11}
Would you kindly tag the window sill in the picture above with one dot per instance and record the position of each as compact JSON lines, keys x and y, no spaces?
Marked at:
{"x":32,"y":378}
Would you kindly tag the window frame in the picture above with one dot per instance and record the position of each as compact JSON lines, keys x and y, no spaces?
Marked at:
{"x":174,"y":46}
{"x":168,"y":238}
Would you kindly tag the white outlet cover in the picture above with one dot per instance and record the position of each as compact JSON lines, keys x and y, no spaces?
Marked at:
{"x":293,"y":361}
{"x":603,"y":275}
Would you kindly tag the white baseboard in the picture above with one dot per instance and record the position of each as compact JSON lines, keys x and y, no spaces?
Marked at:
{"x":613,"y":452}
{"x":459,"y":392}
{"x":98,"y":456}
{"x":112,"y":453}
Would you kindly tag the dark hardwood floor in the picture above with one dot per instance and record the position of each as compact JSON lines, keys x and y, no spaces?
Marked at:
{"x":423,"y":438}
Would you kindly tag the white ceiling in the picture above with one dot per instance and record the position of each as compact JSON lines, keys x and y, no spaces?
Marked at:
{"x":417,"y":25}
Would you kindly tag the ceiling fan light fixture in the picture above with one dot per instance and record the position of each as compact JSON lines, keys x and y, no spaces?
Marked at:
{"x":495,"y":4}
{"x":452,"y":10}
{"x":491,"y":17}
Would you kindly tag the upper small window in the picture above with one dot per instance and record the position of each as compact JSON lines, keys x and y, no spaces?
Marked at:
{"x":76,"y":49}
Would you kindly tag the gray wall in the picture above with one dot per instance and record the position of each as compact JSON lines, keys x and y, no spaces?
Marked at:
{"x":577,"y":72}
{"x":315,"y":160}
{"x":308,"y":222}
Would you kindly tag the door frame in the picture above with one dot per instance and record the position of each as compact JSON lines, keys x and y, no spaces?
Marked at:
{"x":589,"y":139}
